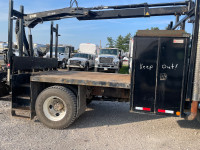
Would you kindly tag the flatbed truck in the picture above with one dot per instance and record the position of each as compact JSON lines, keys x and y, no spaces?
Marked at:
{"x":160,"y":82}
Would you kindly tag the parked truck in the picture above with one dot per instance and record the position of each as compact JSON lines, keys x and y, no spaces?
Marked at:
{"x":109,"y":59}
{"x":63,"y":55}
{"x":88,"y":48}
{"x":161,"y":80}
{"x":85,"y":58}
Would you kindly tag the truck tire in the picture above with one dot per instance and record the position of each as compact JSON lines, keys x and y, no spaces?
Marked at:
{"x":96,"y":69}
{"x":117,"y":71}
{"x":56,"y":107}
{"x":69,"y":69}
{"x":86,"y":67}
{"x":63,"y":64}
{"x":120,"y":65}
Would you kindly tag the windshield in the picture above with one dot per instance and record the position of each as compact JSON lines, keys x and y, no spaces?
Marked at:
{"x":60,"y":49}
{"x":81,"y":55}
{"x":109,"y":51}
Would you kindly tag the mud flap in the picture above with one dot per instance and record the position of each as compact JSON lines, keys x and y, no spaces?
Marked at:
{"x":81,"y":100}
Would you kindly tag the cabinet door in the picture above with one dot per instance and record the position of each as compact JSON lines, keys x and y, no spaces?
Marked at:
{"x":170,"y":75}
{"x":144,"y":76}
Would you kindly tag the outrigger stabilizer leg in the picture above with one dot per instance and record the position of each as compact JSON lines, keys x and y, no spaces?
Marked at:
{"x":196,"y":83}
{"x":194,"y":109}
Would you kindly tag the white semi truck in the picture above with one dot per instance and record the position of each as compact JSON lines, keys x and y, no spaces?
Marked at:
{"x":108,"y":59}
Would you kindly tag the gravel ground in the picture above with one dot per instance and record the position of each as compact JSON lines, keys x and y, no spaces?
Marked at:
{"x":105,"y":125}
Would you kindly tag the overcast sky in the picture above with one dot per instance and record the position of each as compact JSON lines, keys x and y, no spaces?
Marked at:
{"x":74,"y":32}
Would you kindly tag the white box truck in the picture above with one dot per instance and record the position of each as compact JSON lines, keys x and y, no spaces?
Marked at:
{"x":88,"y":48}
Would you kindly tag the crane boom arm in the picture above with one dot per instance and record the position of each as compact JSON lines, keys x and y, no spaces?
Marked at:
{"x":110,"y":12}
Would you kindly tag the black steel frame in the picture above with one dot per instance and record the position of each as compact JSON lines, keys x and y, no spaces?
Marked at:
{"x":18,"y":66}
{"x":52,"y":30}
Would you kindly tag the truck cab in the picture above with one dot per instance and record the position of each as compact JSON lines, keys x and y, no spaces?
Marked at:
{"x":85,"y":58}
{"x":63,"y":55}
{"x":82,"y":61}
{"x":108,"y":59}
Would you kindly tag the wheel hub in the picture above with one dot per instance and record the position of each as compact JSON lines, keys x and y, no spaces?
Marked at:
{"x":58,"y":106}
{"x":54,"y":108}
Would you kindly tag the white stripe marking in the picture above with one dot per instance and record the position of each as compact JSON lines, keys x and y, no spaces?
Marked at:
{"x":169,"y":111}
{"x":139,"y":108}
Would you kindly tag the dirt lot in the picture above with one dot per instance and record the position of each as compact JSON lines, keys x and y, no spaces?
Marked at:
{"x":105,"y":125}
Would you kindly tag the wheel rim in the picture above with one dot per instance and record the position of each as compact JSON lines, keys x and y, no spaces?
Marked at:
{"x":54,"y":108}
{"x":63,"y":64}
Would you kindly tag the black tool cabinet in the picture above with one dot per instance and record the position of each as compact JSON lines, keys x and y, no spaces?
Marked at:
{"x":159,"y":73}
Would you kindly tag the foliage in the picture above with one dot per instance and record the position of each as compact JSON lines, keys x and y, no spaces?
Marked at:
{"x":121,"y":42}
{"x":124,"y":70}
{"x":111,"y":42}
{"x":153,"y":28}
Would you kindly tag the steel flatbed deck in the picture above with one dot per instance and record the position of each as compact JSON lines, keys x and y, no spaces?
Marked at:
{"x":84,"y":78}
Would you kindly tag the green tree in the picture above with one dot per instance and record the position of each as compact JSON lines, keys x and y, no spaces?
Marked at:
{"x":153,"y":28}
{"x":111,"y":42}
{"x":126,"y":42}
{"x":120,"y":42}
